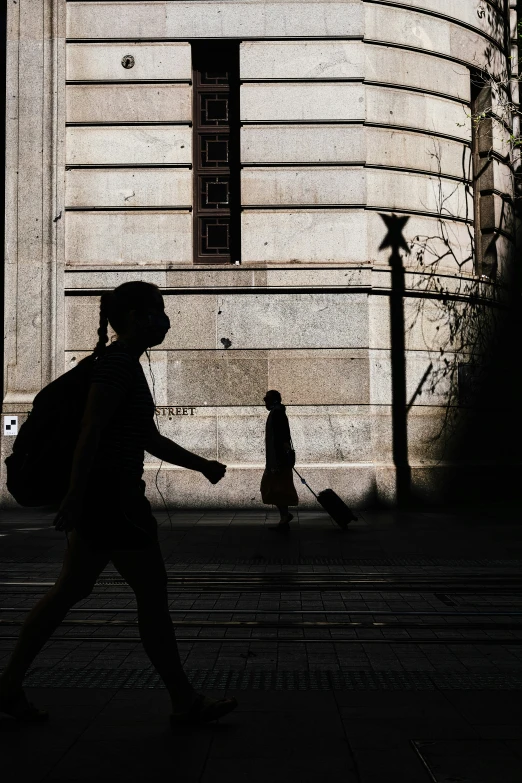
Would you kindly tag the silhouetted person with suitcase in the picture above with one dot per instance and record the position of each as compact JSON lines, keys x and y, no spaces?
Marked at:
{"x":277,"y":484}
{"x":106,"y":514}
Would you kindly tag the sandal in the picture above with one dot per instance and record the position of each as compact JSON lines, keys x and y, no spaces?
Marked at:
{"x":200,"y":713}
{"x":19,"y":708}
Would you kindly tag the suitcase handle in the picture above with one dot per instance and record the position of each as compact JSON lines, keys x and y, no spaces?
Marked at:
{"x":303,"y":481}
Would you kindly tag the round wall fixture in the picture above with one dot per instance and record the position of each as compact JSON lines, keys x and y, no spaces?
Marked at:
{"x":128,"y":61}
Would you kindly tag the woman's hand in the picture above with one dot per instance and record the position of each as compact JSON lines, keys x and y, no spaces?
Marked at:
{"x":214,"y":471}
{"x":68,"y":513}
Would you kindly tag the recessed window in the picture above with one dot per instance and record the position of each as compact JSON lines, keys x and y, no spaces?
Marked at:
{"x":483,"y":193}
{"x":216,"y":152}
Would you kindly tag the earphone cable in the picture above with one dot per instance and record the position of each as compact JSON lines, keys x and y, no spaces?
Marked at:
{"x":153,"y":379}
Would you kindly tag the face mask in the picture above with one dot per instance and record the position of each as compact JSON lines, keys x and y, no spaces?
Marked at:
{"x":158,"y":324}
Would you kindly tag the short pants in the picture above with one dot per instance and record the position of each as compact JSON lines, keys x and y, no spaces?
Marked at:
{"x":117,"y":515}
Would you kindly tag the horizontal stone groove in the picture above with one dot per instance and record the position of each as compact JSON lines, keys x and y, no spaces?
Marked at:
{"x":166,"y":123}
{"x":126,"y":82}
{"x":344,"y":207}
{"x":419,"y":50}
{"x":360,"y":164}
{"x":290,"y":208}
{"x":362,"y":123}
{"x":161,"y":208}
{"x":283,"y":165}
{"x":358,"y":80}
{"x":421,"y":90}
{"x":305,"y":80}
{"x":223,"y":37}
{"x":71,"y":166}
{"x":257,"y":290}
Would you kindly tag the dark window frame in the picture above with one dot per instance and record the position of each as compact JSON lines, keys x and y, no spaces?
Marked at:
{"x":216,"y":170}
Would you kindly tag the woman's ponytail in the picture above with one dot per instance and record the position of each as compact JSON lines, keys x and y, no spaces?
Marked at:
{"x":103,"y":334}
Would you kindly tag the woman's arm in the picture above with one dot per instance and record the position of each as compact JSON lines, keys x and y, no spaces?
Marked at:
{"x":281,"y":430}
{"x":167,"y":450}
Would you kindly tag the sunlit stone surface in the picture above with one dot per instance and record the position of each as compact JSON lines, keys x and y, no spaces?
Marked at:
{"x":348,"y":110}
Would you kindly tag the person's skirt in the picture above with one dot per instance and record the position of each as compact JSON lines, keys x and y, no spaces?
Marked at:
{"x":117,"y":515}
{"x":277,"y":489}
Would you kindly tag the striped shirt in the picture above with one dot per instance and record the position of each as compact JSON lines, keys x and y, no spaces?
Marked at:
{"x":122,"y":445}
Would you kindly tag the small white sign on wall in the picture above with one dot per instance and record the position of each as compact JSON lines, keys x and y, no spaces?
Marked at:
{"x":10,"y":425}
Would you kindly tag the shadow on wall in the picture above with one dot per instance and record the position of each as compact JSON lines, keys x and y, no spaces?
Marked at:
{"x":474,"y":365}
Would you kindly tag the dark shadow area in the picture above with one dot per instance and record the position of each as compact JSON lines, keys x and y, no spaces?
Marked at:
{"x":395,"y":240}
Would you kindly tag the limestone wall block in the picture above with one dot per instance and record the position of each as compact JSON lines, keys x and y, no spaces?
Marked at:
{"x":302,"y":144}
{"x":428,"y":434}
{"x":494,"y":175}
{"x":196,"y":432}
{"x":192,"y":321}
{"x":81,"y":323}
{"x":493,"y":136}
{"x":416,"y":69}
{"x":498,"y":252}
{"x":332,"y":185}
{"x":314,"y":277}
{"x":302,"y":60}
{"x":76,"y":278}
{"x":220,"y":377}
{"x":106,"y":103}
{"x":103,"y":61}
{"x":435,"y":243}
{"x":386,"y":106}
{"x":496,"y":212}
{"x":436,"y":390}
{"x":186,"y":20}
{"x":295,"y":101}
{"x":336,"y":236}
{"x":320,"y":377}
{"x":128,"y":237}
{"x":85,"y":20}
{"x":128,"y":145}
{"x":315,"y":320}
{"x":320,"y":435}
{"x":477,"y":50}
{"x":128,"y":188}
{"x":435,"y":34}
{"x":474,"y":13}
{"x":406,"y":191}
{"x":331,"y":435}
{"x":404,"y":149}
{"x":430,"y":324}
{"x":30,"y":92}
{"x":192,"y":316}
{"x":401,"y":26}
{"x":199,"y":277}
{"x":241,"y":434}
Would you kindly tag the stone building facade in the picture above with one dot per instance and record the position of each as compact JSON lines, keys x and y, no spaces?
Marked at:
{"x":244,"y":156}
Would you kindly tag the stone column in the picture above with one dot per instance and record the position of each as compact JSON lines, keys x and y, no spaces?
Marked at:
{"x":35,"y":47}
{"x":34,"y":173}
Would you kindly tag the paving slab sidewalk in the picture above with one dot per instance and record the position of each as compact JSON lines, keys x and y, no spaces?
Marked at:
{"x":354,"y":736}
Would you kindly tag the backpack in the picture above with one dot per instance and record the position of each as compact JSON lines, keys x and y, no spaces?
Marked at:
{"x":39,"y":469}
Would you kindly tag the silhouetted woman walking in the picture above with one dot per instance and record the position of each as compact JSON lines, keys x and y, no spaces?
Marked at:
{"x":277,"y":484}
{"x":106,"y":515}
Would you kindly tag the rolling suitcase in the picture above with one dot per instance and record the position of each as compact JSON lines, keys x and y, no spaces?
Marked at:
{"x":332,"y":504}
